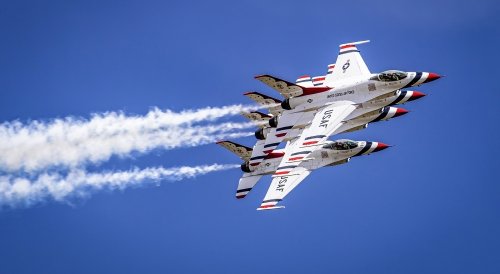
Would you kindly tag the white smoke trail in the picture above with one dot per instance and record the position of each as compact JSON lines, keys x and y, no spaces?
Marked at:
{"x":24,"y":191}
{"x":72,"y":142}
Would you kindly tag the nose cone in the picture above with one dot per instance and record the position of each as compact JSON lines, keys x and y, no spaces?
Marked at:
{"x":431,"y":77}
{"x":416,"y":95}
{"x":380,"y":146}
{"x":399,"y":112}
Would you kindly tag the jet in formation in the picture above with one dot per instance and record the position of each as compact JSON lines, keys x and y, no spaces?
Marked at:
{"x":346,"y":99}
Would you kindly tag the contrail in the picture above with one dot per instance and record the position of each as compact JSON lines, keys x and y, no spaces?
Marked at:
{"x":73,"y":142}
{"x":25,"y":191}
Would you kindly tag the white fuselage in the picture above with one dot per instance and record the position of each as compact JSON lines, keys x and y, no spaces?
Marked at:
{"x":357,"y":90}
{"x":318,"y":158}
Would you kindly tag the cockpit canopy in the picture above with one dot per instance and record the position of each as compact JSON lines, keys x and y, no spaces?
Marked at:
{"x":390,"y":75}
{"x":341,"y":145}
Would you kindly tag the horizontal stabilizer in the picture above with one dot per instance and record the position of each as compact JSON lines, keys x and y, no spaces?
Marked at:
{"x":260,"y":119}
{"x":242,"y":151}
{"x":288,"y":89}
{"x":272,"y":104}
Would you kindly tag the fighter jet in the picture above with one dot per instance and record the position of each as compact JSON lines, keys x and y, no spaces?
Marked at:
{"x":331,"y":153}
{"x":350,"y":87}
{"x":345,"y":100}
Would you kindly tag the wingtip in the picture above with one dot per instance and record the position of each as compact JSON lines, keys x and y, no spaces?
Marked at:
{"x":355,"y":43}
{"x":269,"y":208}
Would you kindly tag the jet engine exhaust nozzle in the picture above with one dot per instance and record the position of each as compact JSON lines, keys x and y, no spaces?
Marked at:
{"x":273,"y":122}
{"x":245,"y":167}
{"x":259,"y":134}
{"x":286,"y":104}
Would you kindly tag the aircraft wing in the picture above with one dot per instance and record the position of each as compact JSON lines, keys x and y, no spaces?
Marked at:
{"x":260,"y":119}
{"x":324,"y":123}
{"x":288,"y":89}
{"x":349,"y":64}
{"x":281,"y":186}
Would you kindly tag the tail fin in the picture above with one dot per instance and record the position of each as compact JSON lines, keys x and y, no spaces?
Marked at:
{"x":304,"y":81}
{"x":260,"y":119}
{"x":349,"y":64}
{"x":272,"y":104}
{"x":242,"y":151}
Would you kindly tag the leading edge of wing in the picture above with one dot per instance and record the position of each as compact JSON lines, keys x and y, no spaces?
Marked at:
{"x":269,"y":208}
{"x":286,"y":88}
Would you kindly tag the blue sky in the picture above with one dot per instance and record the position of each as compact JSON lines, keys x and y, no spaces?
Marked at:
{"x":430,"y":204}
